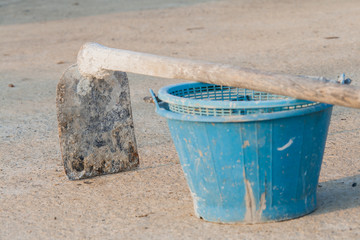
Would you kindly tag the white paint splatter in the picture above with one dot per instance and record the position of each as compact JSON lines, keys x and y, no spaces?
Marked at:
{"x":290,"y":142}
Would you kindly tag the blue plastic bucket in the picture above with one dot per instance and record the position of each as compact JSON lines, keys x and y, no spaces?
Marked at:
{"x":247,"y":156}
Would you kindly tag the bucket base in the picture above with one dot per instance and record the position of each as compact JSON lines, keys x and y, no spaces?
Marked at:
{"x":250,"y":216}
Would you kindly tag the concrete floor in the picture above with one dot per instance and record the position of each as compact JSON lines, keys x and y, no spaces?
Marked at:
{"x":39,"y":40}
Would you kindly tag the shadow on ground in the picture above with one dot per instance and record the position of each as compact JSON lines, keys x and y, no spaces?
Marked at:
{"x":339,"y":194}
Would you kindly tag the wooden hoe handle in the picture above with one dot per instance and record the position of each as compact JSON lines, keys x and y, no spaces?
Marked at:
{"x":95,"y":60}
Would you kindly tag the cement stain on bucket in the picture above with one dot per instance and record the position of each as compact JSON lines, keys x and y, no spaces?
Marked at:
{"x":252,"y":214}
{"x":246,"y":144}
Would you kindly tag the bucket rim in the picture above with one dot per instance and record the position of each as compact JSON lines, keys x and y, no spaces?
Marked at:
{"x":162,"y":111}
{"x":165,"y":96}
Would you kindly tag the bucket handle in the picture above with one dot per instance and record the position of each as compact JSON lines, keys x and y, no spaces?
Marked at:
{"x":155,"y":98}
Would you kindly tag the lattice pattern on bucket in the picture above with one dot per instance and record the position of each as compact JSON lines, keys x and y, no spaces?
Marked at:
{"x":231,"y":112}
{"x":225,"y":93}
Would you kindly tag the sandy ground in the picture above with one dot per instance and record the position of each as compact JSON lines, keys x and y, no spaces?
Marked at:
{"x":39,"y":39}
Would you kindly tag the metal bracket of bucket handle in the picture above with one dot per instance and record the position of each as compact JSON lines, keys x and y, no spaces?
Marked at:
{"x":343,"y":80}
{"x":340,"y":80}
